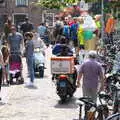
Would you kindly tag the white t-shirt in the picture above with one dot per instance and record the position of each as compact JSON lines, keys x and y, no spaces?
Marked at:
{"x":38,"y":43}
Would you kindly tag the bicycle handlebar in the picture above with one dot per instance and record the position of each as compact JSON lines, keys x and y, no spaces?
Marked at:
{"x":114,"y":116}
{"x":104,"y":96}
{"x":87,"y":100}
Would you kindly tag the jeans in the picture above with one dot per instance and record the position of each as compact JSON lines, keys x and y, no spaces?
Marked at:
{"x":30,"y":65}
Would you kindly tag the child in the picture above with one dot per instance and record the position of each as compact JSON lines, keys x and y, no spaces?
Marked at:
{"x":30,"y":56}
{"x":5,"y":54}
{"x":1,"y":70}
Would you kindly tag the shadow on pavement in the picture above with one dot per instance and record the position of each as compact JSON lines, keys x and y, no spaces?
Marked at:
{"x":2,"y":103}
{"x":68,"y":104}
{"x":31,"y":87}
{"x":38,"y":76}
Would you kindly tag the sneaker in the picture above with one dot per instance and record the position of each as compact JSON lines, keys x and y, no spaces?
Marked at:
{"x":30,"y":84}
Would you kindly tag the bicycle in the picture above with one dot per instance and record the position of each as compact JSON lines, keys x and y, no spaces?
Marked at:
{"x":113,"y":89}
{"x":92,"y":110}
{"x":114,"y":117}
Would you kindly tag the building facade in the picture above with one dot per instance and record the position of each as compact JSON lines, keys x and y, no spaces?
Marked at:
{"x":19,"y":9}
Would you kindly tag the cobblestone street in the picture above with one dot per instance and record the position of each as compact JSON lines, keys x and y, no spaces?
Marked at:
{"x":40,"y":103}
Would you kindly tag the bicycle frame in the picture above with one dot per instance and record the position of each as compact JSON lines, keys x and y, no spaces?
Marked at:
{"x":114,"y":117}
{"x":91,"y":109}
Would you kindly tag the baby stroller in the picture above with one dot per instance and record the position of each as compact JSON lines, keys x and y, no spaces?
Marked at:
{"x":15,"y":69}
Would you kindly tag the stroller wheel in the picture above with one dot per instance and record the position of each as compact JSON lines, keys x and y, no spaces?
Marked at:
{"x":41,"y":72}
{"x":20,"y":80}
{"x":8,"y":82}
{"x":11,"y":80}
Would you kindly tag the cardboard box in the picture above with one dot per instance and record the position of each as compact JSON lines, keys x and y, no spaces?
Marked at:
{"x":62,"y":65}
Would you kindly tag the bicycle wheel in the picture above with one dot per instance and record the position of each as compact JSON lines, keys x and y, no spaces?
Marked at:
{"x":114,"y":117}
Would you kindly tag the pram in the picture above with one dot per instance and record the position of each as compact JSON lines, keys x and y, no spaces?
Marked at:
{"x":15,"y":69}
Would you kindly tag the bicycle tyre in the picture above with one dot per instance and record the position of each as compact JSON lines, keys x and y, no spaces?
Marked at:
{"x":114,"y":117}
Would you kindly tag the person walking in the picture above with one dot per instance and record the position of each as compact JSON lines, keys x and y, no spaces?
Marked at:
{"x":30,"y":56}
{"x":73,"y":32}
{"x":7,"y":28}
{"x":92,"y":72}
{"x":80,"y":33}
{"x":41,"y":30}
{"x":57,"y":29}
{"x":26,"y":26}
{"x":110,"y":28}
{"x":15,"y":43}
{"x":66,"y":32}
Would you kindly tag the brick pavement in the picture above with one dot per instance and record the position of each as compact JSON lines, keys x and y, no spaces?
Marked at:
{"x":41,"y":103}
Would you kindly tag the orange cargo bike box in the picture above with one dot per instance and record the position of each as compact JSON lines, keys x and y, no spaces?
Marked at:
{"x":62,"y":65}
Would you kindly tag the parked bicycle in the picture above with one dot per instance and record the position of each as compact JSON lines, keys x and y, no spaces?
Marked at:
{"x":92,"y":110}
{"x":114,"y":117}
{"x":113,"y":89}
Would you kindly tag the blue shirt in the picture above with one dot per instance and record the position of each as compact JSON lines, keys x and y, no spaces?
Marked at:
{"x":14,"y":41}
{"x":73,"y":31}
{"x":29,"y":48}
{"x":57,"y":49}
{"x":41,"y":30}
{"x":66,"y":31}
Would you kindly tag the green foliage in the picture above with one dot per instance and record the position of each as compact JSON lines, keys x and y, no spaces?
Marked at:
{"x":58,"y":4}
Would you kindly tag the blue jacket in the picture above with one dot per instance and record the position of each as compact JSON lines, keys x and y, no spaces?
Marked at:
{"x":57,"y":49}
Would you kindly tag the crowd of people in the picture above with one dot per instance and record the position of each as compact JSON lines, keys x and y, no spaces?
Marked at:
{"x":81,"y":33}
{"x":19,"y":43}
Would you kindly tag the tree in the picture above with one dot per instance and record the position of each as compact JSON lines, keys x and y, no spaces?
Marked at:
{"x":59,"y":3}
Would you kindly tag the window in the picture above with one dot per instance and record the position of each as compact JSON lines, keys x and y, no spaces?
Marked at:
{"x":21,"y":3}
{"x":1,"y":1}
{"x":48,"y":18}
